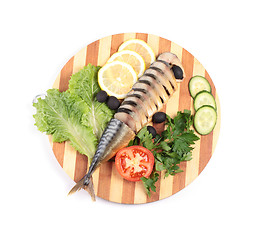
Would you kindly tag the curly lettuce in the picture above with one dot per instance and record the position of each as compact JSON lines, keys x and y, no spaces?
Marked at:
{"x":85,"y":85}
{"x":59,"y":115}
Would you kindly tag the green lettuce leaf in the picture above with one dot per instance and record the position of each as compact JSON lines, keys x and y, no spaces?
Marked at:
{"x":85,"y":85}
{"x":60,"y":115}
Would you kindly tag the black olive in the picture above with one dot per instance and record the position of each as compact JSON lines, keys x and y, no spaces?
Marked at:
{"x":159,"y":117}
{"x":152,"y":130}
{"x":113,"y":103}
{"x":102,"y":96}
{"x":178,"y":73}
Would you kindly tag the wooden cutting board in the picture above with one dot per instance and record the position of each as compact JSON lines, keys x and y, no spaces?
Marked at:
{"x":107,"y":182}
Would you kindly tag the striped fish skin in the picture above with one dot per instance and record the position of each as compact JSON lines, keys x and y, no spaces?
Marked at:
{"x":122,"y":128}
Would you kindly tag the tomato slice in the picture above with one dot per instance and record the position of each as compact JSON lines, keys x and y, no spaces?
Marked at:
{"x":134,"y":162}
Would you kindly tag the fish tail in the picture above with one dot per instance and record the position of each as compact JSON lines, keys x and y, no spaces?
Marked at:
{"x":86,"y":184}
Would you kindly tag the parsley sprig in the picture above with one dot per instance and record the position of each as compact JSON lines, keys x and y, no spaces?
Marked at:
{"x":169,"y":148}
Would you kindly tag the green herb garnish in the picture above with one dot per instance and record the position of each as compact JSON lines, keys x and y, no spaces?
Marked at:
{"x":169,"y":148}
{"x":149,"y":183}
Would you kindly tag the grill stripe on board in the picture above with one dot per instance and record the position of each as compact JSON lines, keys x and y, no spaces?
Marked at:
{"x":206,"y":141}
{"x":81,"y":166}
{"x":92,"y":53}
{"x":184,"y":103}
{"x":65,"y":75}
{"x":142,"y":36}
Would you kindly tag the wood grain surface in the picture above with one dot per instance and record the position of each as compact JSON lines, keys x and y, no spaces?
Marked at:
{"x":107,"y":182}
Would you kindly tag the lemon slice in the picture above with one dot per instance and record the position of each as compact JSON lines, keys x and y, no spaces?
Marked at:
{"x":141,"y":47}
{"x":132,"y":58}
{"x":117,"y":78}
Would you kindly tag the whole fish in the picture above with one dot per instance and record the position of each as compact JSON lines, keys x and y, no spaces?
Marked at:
{"x":147,"y":96}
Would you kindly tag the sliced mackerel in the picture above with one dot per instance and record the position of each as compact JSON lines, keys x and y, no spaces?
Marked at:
{"x":158,"y":87}
{"x":151,"y":93}
{"x":165,"y":82}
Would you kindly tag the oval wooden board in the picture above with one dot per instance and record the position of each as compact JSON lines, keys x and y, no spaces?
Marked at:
{"x":107,"y":182}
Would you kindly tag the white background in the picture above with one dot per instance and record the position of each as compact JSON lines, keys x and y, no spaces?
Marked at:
{"x":39,"y":37}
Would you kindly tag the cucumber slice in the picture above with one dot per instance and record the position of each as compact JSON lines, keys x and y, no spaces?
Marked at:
{"x":204,"y":98}
{"x":205,"y":120}
{"x":198,"y":84}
